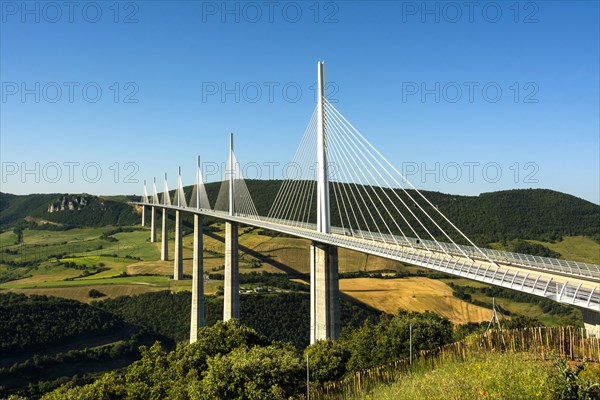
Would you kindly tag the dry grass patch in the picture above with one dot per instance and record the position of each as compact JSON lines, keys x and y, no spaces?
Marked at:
{"x":80,"y":293}
{"x":413,"y":294}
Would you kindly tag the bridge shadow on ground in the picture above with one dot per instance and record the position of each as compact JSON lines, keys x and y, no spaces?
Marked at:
{"x":264,"y":258}
{"x":292,"y":272}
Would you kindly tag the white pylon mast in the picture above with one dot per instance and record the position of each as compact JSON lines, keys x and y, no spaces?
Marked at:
{"x":231,"y":175}
{"x":198,"y":184}
{"x":154,"y":192}
{"x":179,"y":187}
{"x":166,"y":194}
{"x":145,"y":199}
{"x":323,"y":223}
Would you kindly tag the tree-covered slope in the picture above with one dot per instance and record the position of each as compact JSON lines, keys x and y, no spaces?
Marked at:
{"x":537,"y":214}
{"x":65,"y":209}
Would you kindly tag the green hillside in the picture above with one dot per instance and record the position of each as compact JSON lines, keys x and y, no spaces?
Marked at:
{"x":27,"y":209}
{"x":532,"y":214}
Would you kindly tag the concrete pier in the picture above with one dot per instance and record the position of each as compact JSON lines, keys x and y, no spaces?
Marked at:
{"x":164,"y":248}
{"x":231,"y":301}
{"x":324,"y":284}
{"x":153,"y":225}
{"x":178,"y":256}
{"x":143,"y":215}
{"x":197,"y":320}
{"x":324,"y":292}
{"x":231,"y":308}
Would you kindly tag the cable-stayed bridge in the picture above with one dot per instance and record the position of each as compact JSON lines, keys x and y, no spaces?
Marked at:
{"x":342,"y":192}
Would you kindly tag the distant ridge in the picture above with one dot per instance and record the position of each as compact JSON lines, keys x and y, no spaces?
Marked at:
{"x":66,"y":209}
{"x":536,"y":214}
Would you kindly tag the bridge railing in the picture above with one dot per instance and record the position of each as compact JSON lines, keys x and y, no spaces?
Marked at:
{"x":525,"y":281}
{"x":529,"y":280}
{"x":574,"y":268}
{"x":565,"y":267}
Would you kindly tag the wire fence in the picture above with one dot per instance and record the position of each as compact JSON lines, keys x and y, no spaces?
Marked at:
{"x":540,"y":343}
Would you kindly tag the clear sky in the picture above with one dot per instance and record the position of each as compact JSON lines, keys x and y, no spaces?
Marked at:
{"x":99,"y":95}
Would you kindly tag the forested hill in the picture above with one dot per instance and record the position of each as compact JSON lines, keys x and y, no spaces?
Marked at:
{"x":526,"y":214}
{"x":490,"y":217}
{"x":537,"y":214}
{"x":64,"y":209}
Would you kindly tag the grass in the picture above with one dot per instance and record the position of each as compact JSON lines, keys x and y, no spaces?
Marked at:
{"x":576,"y":248}
{"x":7,"y":238}
{"x":484,"y":376}
{"x":134,"y":280}
{"x":572,"y":248}
{"x":53,"y":237}
{"x":133,"y":254}
{"x":414,"y":294}
{"x":135,"y":244}
{"x":80,"y":293}
{"x":537,"y":364}
{"x":530,"y":310}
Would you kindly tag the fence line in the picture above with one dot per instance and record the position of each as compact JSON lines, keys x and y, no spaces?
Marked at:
{"x":540,"y":342}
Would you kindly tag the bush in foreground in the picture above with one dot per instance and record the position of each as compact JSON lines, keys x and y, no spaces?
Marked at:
{"x":228,"y":361}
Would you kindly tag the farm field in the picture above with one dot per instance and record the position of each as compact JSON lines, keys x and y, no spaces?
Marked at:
{"x":575,"y":248}
{"x":414,"y":294}
{"x":572,"y":248}
{"x":118,"y":263}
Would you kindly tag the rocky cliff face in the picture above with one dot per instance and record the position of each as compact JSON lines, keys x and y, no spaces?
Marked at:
{"x":71,"y":202}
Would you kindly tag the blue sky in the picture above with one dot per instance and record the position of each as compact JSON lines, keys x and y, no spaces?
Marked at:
{"x":419,"y":80}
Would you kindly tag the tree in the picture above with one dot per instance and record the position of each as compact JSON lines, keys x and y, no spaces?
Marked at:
{"x":327,"y":361}
{"x":388,"y":341}
{"x":273,"y":372}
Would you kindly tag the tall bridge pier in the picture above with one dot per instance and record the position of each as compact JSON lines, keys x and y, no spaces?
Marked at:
{"x":197,"y":319}
{"x":325,"y":292}
{"x":178,"y":255}
{"x":153,"y":224}
{"x":153,"y":212}
{"x":164,"y":247}
{"x":324,"y":282}
{"x":231,"y":303}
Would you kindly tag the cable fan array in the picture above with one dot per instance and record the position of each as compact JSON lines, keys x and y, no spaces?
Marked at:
{"x":368,"y":197}
{"x":243,"y":204}
{"x":295,"y":202}
{"x":367,"y":194}
{"x":179,"y":197}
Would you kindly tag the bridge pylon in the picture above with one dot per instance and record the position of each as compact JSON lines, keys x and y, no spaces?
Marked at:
{"x":231,"y":303}
{"x":164,"y":248}
{"x":197,"y":317}
{"x":324,"y":283}
{"x":152,"y":224}
{"x":144,"y":200}
{"x":178,"y":253}
{"x":153,"y":212}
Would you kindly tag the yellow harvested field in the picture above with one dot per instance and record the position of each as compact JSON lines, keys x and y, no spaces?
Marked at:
{"x":151,"y":267}
{"x":81,"y":292}
{"x":49,"y":275}
{"x":413,"y":294}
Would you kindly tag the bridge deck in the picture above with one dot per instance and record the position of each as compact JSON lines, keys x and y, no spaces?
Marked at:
{"x":562,"y":281}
